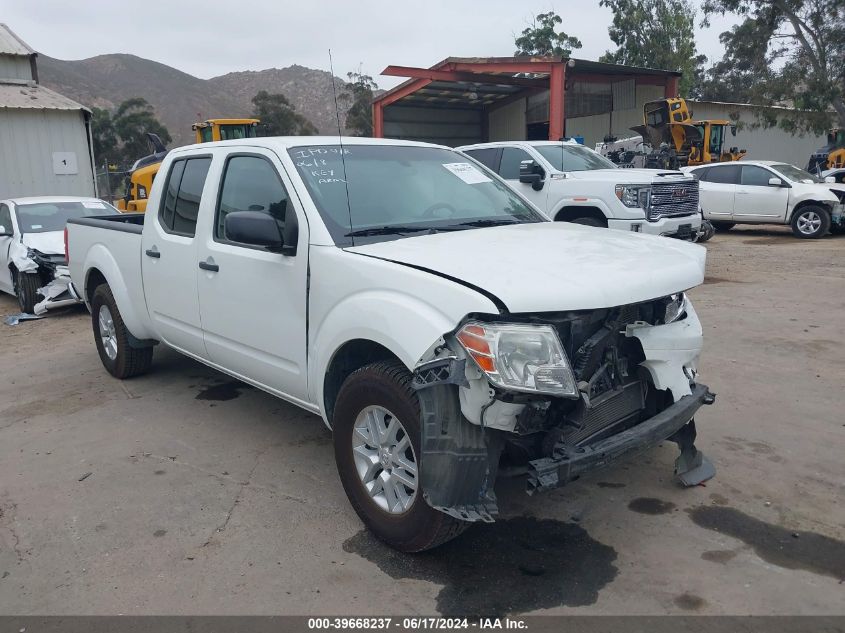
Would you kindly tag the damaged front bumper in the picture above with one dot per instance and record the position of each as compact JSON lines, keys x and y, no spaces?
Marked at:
{"x":59,"y":293}
{"x":674,"y":423}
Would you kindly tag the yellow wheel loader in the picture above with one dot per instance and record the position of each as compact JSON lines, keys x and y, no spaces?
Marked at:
{"x":140,"y":178}
{"x":832,"y":155}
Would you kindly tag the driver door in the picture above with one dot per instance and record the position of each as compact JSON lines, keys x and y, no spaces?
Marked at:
{"x":512,"y":157}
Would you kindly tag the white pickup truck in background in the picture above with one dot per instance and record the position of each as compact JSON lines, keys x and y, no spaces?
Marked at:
{"x":572,"y":183}
{"x":422,"y":308}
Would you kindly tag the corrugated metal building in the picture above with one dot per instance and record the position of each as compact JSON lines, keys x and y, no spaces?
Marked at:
{"x":45,"y":138}
{"x":772,"y":143}
{"x":471,"y":100}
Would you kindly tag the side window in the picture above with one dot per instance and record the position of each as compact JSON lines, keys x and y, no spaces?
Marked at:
{"x":511,"y":158}
{"x":755,"y":176}
{"x":489,"y":156}
{"x":700,"y":174}
{"x":5,"y":218}
{"x":250,"y":183}
{"x":182,"y":195}
{"x":728,"y":175}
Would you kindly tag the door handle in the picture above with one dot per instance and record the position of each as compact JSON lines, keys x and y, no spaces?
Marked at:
{"x":209,"y":266}
{"x":152,"y":253}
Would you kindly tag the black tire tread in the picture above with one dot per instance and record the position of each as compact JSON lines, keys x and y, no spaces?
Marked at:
{"x":28,"y":285}
{"x":445,"y":527}
{"x":130,"y":361}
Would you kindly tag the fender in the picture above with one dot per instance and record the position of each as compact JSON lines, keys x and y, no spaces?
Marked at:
{"x":808,"y":198}
{"x":396,"y":320}
{"x":99,"y":257}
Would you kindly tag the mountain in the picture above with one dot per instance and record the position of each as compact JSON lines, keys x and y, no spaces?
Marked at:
{"x":180,"y":99}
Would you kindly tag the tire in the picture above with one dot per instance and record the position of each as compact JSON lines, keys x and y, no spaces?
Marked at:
{"x":26,"y":290}
{"x":385,"y":388}
{"x":722,"y":227}
{"x":589,"y":221}
{"x":810,"y":222}
{"x":119,"y":358}
{"x":706,"y":233}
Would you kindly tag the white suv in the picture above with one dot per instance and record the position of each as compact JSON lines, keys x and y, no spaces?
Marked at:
{"x":769,"y":192}
{"x":571,"y":183}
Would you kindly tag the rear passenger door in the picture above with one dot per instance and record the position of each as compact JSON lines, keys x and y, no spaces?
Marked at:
{"x":717,"y":188}
{"x":253,"y":302}
{"x":169,"y":256}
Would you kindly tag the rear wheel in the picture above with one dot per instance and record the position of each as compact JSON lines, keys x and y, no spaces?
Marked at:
{"x":721,"y":227}
{"x":376,"y":426}
{"x":810,"y":222}
{"x":119,"y":358}
{"x":26,"y":289}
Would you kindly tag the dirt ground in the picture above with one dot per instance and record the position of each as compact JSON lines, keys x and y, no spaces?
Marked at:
{"x":183,"y":492}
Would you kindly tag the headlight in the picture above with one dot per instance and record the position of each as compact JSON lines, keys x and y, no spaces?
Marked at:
{"x":520,"y":357}
{"x":675,"y":308}
{"x":634,"y":195}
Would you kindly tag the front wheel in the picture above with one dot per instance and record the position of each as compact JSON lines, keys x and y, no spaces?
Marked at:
{"x":26,"y":289}
{"x":119,"y":358}
{"x":723,"y":226}
{"x":810,"y":222}
{"x":376,"y":426}
{"x":588,"y":220}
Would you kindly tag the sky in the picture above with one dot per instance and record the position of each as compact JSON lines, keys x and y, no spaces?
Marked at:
{"x":207,"y":39}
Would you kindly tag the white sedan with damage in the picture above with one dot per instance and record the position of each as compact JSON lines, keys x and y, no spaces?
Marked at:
{"x":33,"y":266}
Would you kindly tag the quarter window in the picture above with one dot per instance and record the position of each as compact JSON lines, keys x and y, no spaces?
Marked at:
{"x":251,"y":183}
{"x":183,"y":193}
{"x":511,"y":159}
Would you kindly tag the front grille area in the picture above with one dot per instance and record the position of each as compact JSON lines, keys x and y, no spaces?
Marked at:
{"x":672,"y":200}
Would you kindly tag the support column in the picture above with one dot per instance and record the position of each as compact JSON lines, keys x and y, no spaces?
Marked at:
{"x":671,"y":89}
{"x":557,"y":79}
{"x":378,"y":119}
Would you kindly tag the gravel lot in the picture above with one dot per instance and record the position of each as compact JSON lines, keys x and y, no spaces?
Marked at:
{"x":183,"y":492}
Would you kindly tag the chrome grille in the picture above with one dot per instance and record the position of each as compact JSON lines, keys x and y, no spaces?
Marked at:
{"x":672,"y":200}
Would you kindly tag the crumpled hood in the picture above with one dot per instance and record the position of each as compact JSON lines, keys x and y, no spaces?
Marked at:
{"x":630,"y":176}
{"x":551,"y":266}
{"x":49,"y":243}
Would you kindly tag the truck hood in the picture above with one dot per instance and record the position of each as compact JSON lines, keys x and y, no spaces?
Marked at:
{"x":632,"y":176}
{"x":551,"y":266}
{"x":49,"y":243}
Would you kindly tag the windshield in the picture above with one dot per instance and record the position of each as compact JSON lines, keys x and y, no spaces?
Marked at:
{"x":794,"y":173}
{"x":573,"y":158}
{"x":43,"y":217}
{"x":385,"y":192}
{"x":230,"y":132}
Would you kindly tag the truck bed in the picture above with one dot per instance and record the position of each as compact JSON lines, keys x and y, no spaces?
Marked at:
{"x":109,"y":247}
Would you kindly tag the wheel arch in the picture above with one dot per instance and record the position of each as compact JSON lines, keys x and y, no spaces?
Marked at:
{"x":569,"y":212}
{"x":811,"y":202}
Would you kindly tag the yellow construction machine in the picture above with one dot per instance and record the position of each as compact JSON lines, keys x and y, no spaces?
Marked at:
{"x":140,"y":177}
{"x":677,"y":140}
{"x":832,"y":155}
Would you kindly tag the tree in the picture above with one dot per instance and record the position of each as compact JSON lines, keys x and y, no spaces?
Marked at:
{"x":103,"y":135}
{"x":359,"y":93}
{"x":784,"y":52}
{"x":540,"y":38}
{"x":279,"y":117}
{"x":131,"y":121}
{"x":656,"y":34}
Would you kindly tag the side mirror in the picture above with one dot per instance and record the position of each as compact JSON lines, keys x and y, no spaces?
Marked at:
{"x":260,"y":229}
{"x":530,"y":173}
{"x":829,"y":179}
{"x":775,"y":182}
{"x":4,"y":232}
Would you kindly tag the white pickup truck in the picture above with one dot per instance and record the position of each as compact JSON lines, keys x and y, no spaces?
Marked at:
{"x":423,"y":309}
{"x":571,"y":183}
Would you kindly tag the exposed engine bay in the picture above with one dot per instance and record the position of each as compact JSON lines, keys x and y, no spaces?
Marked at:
{"x":632,"y":367}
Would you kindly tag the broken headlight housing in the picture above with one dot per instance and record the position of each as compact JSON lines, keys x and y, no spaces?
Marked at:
{"x":520,"y":357}
{"x":674,"y":308}
{"x":634,"y":196}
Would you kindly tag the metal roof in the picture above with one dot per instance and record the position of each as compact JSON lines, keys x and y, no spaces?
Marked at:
{"x":34,"y":97}
{"x":11,"y":44}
